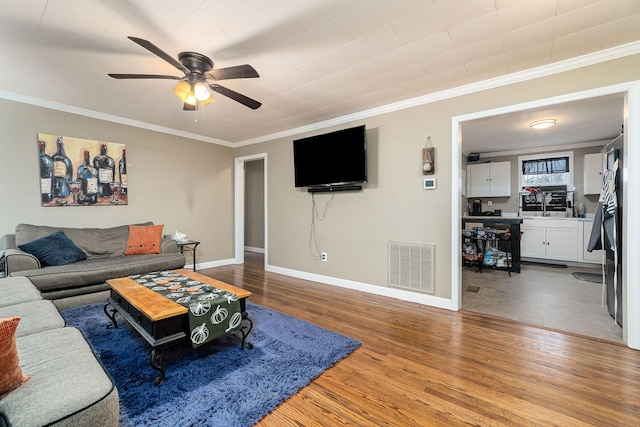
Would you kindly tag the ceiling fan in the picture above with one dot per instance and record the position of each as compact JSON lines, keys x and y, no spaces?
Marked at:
{"x":197,"y":69}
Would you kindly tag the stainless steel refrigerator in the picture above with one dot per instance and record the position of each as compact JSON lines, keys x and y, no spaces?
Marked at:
{"x":613,"y":267}
{"x":607,"y":226}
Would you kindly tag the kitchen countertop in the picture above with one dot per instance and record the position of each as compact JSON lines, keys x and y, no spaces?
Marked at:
{"x":587,"y":218}
{"x":518,"y":219}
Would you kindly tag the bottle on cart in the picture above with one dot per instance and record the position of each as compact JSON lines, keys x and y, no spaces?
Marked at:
{"x":122,"y":171}
{"x":46,"y":173}
{"x":106,"y":171}
{"x":88,"y":177}
{"x":62,"y":170}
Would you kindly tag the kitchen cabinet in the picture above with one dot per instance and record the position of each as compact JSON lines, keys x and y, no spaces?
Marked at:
{"x":584,"y":234}
{"x":491,"y":179}
{"x":593,"y":167}
{"x":550,"y":239}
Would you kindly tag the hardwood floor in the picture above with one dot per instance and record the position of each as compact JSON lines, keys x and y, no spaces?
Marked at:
{"x":422,"y":366}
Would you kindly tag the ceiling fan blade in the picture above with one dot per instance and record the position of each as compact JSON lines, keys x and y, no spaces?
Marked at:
{"x":189,"y":107}
{"x":244,"y":100}
{"x":143,"y":76}
{"x":238,"y":72}
{"x":159,"y":52}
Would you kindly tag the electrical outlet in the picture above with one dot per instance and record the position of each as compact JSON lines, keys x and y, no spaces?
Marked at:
{"x":489,"y":203}
{"x":323,"y":256}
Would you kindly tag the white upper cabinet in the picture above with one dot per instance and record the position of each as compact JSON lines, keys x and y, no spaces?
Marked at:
{"x":593,"y":169}
{"x":491,"y":179}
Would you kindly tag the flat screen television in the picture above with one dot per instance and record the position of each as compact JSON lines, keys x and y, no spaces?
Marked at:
{"x":335,"y":160}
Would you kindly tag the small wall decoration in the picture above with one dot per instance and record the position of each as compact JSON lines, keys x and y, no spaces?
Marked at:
{"x":82,"y":172}
{"x":428,"y":158}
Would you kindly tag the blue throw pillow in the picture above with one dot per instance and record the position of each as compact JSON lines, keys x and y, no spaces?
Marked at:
{"x":55,"y":249}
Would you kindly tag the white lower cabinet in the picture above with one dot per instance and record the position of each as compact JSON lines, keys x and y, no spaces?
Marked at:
{"x":550,"y":239}
{"x":533,"y":243}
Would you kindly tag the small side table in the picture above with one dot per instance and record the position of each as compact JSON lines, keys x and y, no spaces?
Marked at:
{"x":189,"y":245}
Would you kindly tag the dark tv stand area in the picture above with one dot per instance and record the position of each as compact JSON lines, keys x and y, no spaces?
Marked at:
{"x":332,"y":188}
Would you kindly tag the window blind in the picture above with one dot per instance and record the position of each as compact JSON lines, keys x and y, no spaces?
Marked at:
{"x":545,"y":166}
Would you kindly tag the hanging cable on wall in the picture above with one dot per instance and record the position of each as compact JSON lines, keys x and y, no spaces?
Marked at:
{"x":313,"y":242}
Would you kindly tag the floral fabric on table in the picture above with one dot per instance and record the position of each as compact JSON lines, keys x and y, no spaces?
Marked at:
{"x":213,"y":312}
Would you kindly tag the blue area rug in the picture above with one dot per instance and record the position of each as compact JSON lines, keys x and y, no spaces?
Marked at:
{"x":218,"y":384}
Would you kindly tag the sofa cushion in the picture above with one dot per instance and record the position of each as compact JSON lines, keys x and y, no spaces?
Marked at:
{"x":68,"y":386}
{"x":55,"y":249}
{"x":144,"y":239}
{"x":35,"y":316}
{"x":95,"y":242}
{"x":11,"y":375}
{"x":16,"y":290}
{"x":98,"y":270}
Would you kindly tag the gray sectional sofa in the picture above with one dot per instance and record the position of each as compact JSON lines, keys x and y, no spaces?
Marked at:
{"x":83,"y":281}
{"x":68,"y":386}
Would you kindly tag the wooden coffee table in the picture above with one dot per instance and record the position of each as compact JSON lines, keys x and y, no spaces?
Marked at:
{"x":159,"y":320}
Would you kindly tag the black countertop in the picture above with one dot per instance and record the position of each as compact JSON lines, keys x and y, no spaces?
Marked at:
{"x":492,"y":219}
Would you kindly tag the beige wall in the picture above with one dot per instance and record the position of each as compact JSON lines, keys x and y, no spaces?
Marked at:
{"x":187,"y":185}
{"x":254,"y":204}
{"x":181,"y":183}
{"x":393,"y":206}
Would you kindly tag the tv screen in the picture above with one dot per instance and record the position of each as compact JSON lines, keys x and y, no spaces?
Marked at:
{"x":331,"y":159}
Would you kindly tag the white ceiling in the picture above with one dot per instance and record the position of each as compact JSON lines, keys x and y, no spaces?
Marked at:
{"x":318,"y":59}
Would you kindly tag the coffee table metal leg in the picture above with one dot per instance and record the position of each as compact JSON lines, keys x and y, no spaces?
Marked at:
{"x":156,"y":363}
{"x":111,"y":316}
{"x":245,"y":330}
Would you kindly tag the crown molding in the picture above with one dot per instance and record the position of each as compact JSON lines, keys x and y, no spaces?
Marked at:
{"x":521,"y":76}
{"x":517,"y":77}
{"x":12,"y":96}
{"x":554,"y":148}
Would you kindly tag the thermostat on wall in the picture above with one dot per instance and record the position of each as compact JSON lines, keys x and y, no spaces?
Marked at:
{"x":429,"y":183}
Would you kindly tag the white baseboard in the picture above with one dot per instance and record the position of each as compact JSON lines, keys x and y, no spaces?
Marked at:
{"x":212,"y":264}
{"x":400,"y":294}
{"x":254,"y":249}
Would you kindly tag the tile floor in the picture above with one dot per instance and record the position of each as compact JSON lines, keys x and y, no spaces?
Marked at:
{"x":542,"y":295}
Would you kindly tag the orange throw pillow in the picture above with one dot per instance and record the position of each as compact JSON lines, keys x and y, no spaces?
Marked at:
{"x":10,"y":372}
{"x":144,"y":239}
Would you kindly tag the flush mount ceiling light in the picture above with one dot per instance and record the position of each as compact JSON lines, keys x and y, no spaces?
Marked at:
{"x":542,"y":124}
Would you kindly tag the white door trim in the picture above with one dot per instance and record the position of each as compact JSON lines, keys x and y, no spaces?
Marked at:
{"x":239,"y":190}
{"x":631,"y":176}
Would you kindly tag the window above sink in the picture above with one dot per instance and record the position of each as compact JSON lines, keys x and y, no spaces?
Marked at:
{"x":545,"y":169}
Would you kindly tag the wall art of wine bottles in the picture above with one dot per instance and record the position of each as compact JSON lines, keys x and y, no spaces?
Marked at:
{"x":82,"y":172}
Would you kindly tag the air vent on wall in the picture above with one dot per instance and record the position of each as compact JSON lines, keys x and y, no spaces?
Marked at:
{"x":412,"y":266}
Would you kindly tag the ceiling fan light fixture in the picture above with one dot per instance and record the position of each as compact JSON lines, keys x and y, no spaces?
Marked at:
{"x":542,"y":124}
{"x":191,"y":99}
{"x":182,"y":90}
{"x":192,"y":88}
{"x":201,"y":92}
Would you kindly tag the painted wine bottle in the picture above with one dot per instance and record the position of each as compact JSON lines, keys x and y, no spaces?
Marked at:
{"x":106,"y":171}
{"x":62,"y":170}
{"x":122,"y":171}
{"x":46,"y":173}
{"x":88,"y":177}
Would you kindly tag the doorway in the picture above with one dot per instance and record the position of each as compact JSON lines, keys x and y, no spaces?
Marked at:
{"x":631,"y":288}
{"x":250,"y":197}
